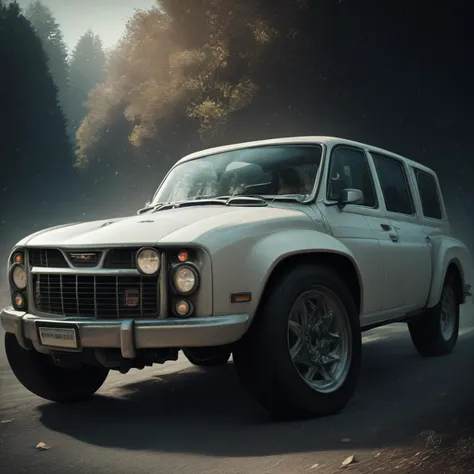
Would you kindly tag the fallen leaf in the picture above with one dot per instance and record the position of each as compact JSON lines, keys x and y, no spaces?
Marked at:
{"x":348,"y":461}
{"x":7,"y":421}
{"x":377,"y":455}
{"x":314,"y":466}
{"x":42,"y":446}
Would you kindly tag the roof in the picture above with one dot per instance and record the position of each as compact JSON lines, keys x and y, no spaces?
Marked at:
{"x":330,"y":141}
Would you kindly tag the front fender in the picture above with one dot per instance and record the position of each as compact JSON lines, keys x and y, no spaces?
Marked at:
{"x":249,"y":265}
{"x":446,"y":251}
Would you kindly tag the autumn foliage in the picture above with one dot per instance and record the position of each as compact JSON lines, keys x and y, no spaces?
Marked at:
{"x":192,"y":60}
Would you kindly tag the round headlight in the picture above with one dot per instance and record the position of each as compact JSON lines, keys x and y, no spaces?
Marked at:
{"x":19,"y":277}
{"x":185,"y":279}
{"x":148,"y":261}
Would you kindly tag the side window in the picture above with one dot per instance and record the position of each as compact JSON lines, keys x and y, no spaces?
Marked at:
{"x":349,"y":169}
{"x":428,"y":194}
{"x":393,"y":181}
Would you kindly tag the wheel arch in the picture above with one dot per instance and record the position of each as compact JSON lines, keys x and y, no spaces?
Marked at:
{"x":344,"y":265}
{"x":451,"y":257}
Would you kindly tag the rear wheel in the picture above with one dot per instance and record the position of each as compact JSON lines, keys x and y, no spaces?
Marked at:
{"x":301,"y":356}
{"x":436,"y":332}
{"x":39,"y":375}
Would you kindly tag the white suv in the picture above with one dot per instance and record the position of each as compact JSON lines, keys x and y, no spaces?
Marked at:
{"x":278,"y":251}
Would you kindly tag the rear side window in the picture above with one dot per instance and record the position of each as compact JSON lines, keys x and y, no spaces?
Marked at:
{"x":394,"y":183}
{"x":429,"y":195}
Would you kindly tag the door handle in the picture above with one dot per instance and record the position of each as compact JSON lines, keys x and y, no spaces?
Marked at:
{"x":393,"y":237}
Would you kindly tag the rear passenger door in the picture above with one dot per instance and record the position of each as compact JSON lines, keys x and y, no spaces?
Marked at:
{"x":406,"y":250}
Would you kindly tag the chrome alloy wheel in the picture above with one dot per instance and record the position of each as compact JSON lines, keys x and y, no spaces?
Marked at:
{"x":319,"y":339}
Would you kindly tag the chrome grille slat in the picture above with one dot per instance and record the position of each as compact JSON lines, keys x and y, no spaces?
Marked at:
{"x":61,"y":292}
{"x":99,"y":296}
{"x":117,"y":296}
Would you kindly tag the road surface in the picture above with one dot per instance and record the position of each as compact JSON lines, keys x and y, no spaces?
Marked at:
{"x":410,"y":412}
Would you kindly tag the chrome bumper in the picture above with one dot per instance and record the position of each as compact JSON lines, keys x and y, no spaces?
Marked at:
{"x":129,"y":335}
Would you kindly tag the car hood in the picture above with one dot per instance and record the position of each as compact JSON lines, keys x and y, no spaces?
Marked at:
{"x":199,"y":224}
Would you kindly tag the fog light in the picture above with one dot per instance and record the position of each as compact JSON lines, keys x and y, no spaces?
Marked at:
{"x":18,"y":301}
{"x":18,"y":258}
{"x":183,"y":308}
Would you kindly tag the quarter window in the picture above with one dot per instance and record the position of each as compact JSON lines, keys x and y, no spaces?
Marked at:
{"x":393,"y":181}
{"x":349,"y":169}
{"x":429,"y":195}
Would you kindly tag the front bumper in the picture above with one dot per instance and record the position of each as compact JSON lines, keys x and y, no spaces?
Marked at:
{"x":129,"y":335}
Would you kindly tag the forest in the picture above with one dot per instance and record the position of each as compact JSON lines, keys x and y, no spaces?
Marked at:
{"x":97,"y":131}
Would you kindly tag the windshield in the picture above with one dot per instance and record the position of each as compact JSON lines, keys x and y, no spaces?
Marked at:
{"x":265,"y":170}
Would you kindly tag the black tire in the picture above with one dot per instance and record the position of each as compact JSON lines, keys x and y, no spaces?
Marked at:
{"x":426,"y":330}
{"x":40,"y":376}
{"x":207,"y":360}
{"x":262,"y":358}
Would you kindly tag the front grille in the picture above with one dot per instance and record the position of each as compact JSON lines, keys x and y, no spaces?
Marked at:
{"x":121,"y":258}
{"x":49,"y":258}
{"x":106,"y":297}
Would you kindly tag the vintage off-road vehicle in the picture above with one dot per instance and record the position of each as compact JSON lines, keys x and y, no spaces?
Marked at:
{"x":279,"y":251}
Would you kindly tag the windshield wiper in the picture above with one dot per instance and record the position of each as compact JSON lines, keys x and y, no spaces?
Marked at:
{"x":289,"y":197}
{"x":232,"y":200}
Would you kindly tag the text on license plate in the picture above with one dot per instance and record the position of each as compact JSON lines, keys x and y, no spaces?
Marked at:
{"x":58,"y":337}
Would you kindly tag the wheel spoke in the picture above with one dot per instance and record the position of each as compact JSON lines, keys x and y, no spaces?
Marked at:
{"x":330,"y":359}
{"x":310,"y":374}
{"x":296,"y":349}
{"x":312,"y":312}
{"x":301,"y":359}
{"x":328,"y":318}
{"x":325,"y":374}
{"x":297,"y":329}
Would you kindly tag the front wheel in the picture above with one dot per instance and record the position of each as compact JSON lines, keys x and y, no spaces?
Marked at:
{"x":436,"y":332}
{"x":301,"y":356}
{"x":39,"y":375}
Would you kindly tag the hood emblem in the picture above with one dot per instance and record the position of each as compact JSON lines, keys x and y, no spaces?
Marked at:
{"x":84,"y":258}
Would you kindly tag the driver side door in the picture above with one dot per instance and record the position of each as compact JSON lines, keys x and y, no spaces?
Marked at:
{"x":357,"y":225}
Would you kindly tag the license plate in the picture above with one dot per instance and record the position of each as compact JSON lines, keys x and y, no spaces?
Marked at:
{"x":58,"y":337}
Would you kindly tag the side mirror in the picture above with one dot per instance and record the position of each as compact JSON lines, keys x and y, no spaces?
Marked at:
{"x":350,"y":196}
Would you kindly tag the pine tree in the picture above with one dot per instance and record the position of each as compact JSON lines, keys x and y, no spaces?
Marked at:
{"x":35,"y":154}
{"x":87,"y":70}
{"x":54,"y":47}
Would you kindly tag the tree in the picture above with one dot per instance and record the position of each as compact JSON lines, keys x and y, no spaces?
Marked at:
{"x":185,"y":66}
{"x":34,"y":148}
{"x":87,"y":70}
{"x":54,"y":47}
